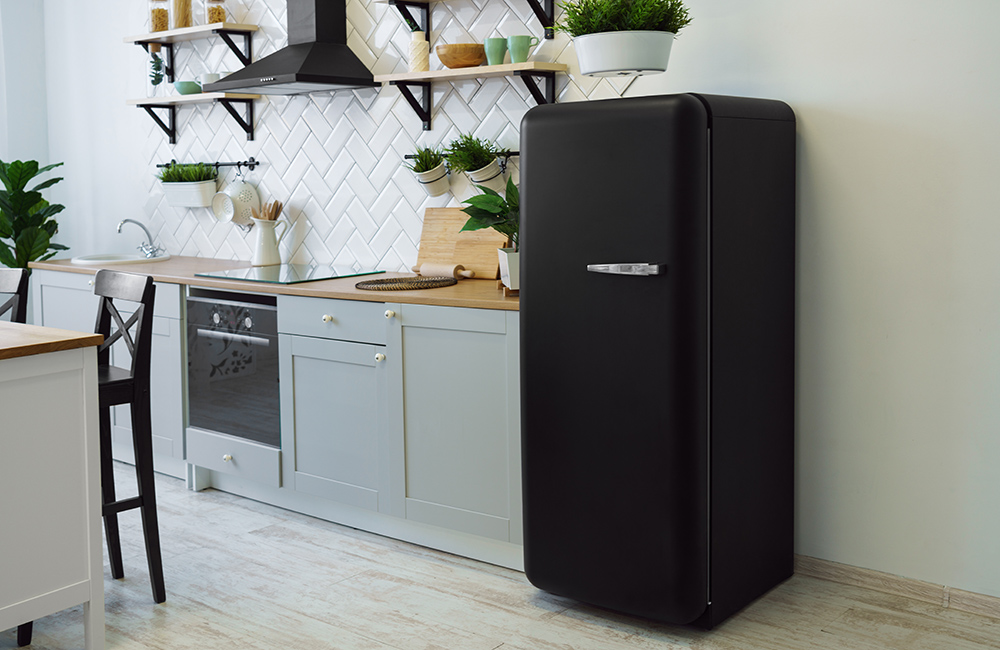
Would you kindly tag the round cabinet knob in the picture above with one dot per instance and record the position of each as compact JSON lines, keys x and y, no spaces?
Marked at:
{"x":248,"y":322}
{"x":379,"y":357}
{"x":327,"y":318}
{"x":216,"y":318}
{"x":90,"y":283}
{"x":227,"y":458}
{"x":390,"y":313}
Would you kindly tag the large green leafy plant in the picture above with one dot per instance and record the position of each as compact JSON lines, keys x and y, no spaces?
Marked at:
{"x":490,"y":210}
{"x":26,"y":223}
{"x":583,"y":17}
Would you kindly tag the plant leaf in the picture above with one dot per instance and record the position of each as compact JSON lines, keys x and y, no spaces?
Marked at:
{"x":493,"y":204}
{"x":6,"y":257}
{"x":20,"y":173}
{"x":48,"y":183}
{"x":30,"y":245}
{"x":479,"y":222}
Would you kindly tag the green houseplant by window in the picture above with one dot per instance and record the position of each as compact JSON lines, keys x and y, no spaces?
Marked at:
{"x":189,"y":185}
{"x":478,"y":159}
{"x":616,"y":38}
{"x":26,"y":223}
{"x":429,"y":168}
{"x":503,"y":214}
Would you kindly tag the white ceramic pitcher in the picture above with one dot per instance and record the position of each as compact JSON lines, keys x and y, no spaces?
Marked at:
{"x":265,"y":252}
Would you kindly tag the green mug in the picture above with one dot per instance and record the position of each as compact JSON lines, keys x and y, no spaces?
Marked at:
{"x":519,"y":46}
{"x":496,"y":48}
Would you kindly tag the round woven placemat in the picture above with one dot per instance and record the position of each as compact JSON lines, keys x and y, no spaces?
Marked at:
{"x":404,"y":284}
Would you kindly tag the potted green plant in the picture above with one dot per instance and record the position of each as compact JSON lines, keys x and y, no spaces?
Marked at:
{"x":503,"y":214}
{"x":478,"y":159}
{"x":189,"y":185}
{"x":616,"y":38}
{"x":26,"y":223}
{"x":428,"y":166}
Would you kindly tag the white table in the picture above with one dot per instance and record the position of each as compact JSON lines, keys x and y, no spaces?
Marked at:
{"x":51,"y":555}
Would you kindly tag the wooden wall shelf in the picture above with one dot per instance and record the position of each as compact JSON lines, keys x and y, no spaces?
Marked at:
{"x":171,"y":102}
{"x":190,"y":33}
{"x":526,"y":71}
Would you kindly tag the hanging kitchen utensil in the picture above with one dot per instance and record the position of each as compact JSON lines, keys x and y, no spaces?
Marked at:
{"x":237,"y":202}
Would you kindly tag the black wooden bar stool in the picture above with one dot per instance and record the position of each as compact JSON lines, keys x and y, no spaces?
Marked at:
{"x":128,"y":386}
{"x":15,"y":281}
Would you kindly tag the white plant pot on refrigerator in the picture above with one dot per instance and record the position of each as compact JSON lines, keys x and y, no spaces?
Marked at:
{"x":189,"y":195}
{"x":623,"y":54}
{"x":489,"y":176}
{"x":510,"y":268}
{"x":434,"y":181}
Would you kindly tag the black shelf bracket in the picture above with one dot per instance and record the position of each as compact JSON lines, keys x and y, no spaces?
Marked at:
{"x":168,"y":60}
{"x":246,"y":54}
{"x":549,"y":97}
{"x":247,"y":123}
{"x":170,"y":128}
{"x":404,"y":6}
{"x":545,"y":12}
{"x":423,"y":107}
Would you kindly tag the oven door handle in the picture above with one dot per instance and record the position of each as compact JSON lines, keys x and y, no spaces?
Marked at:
{"x":236,"y":338}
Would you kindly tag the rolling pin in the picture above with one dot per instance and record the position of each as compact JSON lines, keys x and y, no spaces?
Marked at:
{"x":448,"y":270}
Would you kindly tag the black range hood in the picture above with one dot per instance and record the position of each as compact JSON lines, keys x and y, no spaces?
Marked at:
{"x":316,"y":59}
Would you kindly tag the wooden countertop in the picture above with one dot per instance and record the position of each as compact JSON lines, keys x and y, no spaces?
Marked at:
{"x":17,"y":340}
{"x":480,"y":294}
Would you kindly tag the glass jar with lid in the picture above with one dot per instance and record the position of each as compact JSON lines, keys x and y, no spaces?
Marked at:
{"x":215,"y":11}
{"x":159,"y":17}
{"x":182,"y":14}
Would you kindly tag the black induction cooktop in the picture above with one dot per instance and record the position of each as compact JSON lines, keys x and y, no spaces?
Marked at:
{"x":287,"y":273}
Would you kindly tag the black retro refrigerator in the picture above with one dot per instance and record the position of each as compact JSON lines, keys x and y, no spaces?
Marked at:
{"x":657,"y":352}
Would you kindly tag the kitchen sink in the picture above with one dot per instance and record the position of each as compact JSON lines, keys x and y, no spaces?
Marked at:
{"x":116,"y":258}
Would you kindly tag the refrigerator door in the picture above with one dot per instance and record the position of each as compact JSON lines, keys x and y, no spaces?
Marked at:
{"x":614,"y":353}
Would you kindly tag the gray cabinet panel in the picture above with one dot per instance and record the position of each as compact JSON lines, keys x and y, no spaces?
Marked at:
{"x":334,"y":418}
{"x":232,"y":455}
{"x":346,"y":320}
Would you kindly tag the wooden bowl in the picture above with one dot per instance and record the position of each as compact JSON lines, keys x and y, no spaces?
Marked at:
{"x":461,"y":55}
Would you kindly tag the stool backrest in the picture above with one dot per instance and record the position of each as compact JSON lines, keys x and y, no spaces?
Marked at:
{"x":115,"y":285}
{"x":15,"y":281}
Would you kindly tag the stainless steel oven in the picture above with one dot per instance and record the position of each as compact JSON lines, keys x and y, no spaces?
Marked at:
{"x":233,"y":364}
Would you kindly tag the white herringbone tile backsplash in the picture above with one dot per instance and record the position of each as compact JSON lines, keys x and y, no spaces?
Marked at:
{"x":335,"y":158}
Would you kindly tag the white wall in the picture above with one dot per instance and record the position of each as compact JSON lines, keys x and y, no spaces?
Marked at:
{"x":897,"y":104}
{"x":898,"y":108}
{"x":23,"y":127}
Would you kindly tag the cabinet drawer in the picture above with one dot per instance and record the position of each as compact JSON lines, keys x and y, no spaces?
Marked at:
{"x":345,"y":320}
{"x":56,"y":287}
{"x":246,"y":459}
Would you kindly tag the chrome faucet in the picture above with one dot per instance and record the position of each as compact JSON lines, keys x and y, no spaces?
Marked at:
{"x":148,"y":248}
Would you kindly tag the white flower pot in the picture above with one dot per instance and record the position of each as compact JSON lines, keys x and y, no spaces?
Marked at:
{"x":510,"y":268}
{"x":189,"y":195}
{"x":489,"y":176}
{"x":434,"y":181}
{"x":623,"y":54}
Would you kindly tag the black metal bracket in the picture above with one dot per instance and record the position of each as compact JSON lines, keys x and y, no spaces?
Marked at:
{"x":170,"y":127}
{"x":246,"y":54}
{"x":245,"y":124}
{"x":550,"y":86}
{"x":423,"y":107}
{"x":403,"y":7}
{"x":168,"y":63}
{"x":545,"y":12}
{"x":249,"y":164}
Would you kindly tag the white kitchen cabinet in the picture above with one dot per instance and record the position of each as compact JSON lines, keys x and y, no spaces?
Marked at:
{"x":335,"y":419}
{"x":461,"y":427}
{"x":67,"y":301}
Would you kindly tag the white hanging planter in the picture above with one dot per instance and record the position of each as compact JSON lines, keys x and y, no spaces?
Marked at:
{"x":489,"y":176}
{"x":510,"y":268}
{"x":189,"y":195}
{"x":623,"y":54}
{"x":434,"y":181}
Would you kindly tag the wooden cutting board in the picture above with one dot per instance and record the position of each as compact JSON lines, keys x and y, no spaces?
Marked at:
{"x":442,"y":242}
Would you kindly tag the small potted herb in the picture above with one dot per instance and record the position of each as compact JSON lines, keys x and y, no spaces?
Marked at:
{"x":503,"y":214}
{"x":478,"y":159}
{"x":189,"y":185}
{"x":428,"y":166}
{"x":616,"y":38}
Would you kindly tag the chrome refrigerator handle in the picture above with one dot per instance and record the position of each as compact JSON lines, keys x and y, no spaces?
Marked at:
{"x":635,"y":268}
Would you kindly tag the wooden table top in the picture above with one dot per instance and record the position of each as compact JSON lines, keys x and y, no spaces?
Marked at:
{"x":481,"y":294}
{"x":17,"y":340}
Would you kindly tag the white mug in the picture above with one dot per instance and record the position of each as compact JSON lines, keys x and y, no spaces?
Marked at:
{"x":209,"y":77}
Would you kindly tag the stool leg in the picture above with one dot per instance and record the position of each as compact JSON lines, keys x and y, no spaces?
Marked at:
{"x":142,"y":438}
{"x":108,"y":496}
{"x":24,"y":633}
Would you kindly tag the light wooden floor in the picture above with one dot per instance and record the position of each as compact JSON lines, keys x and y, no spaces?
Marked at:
{"x":244,"y":575}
